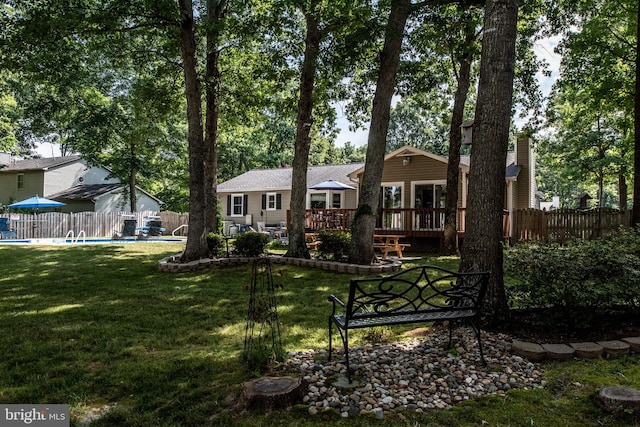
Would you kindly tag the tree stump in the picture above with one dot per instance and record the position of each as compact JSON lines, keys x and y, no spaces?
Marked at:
{"x":272,"y":392}
{"x":621,"y":401}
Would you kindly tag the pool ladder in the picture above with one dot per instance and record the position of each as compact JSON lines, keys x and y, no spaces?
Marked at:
{"x":70,"y":236}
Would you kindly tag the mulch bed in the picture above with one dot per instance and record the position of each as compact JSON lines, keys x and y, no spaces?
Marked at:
{"x":536,"y":325}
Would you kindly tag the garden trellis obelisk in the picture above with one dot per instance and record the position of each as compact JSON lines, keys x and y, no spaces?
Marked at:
{"x":262,"y":342}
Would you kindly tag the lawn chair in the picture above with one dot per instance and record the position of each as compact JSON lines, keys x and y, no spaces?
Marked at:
{"x":262,"y":228}
{"x":5,"y":232}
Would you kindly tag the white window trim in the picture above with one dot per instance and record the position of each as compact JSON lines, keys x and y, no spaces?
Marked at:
{"x":416,"y":183}
{"x":395,"y":184}
{"x":275,"y":204}
{"x":242,"y":207}
{"x":340,"y":194}
{"x":309,"y":193}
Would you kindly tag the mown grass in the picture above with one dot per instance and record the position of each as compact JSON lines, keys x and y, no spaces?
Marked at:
{"x":101,"y":327}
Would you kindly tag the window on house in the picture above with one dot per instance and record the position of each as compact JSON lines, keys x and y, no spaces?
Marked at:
{"x":271,"y":201}
{"x":430,"y":195}
{"x":391,"y":196}
{"x":318,"y":200}
{"x":336,"y":201}
{"x":237,"y":205}
{"x":20,"y":181}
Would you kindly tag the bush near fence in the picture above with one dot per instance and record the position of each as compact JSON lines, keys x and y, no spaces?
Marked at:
{"x":94,"y":224}
{"x":574,"y":280}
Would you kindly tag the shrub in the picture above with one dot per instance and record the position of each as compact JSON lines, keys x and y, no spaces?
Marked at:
{"x":334,"y":243}
{"x":251,"y":244}
{"x":215,"y":242}
{"x":575,"y":279}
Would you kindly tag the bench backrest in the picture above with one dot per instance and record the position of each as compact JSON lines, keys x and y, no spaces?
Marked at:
{"x":416,"y":289}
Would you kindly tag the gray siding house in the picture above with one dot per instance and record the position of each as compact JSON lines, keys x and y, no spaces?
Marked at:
{"x":68,"y":179}
{"x":265,"y":195}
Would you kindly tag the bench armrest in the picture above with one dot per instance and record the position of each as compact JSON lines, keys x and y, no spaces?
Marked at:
{"x":335,"y":300}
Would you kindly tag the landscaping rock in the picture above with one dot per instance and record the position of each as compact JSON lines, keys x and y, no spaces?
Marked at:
{"x":416,"y":375}
{"x":531,"y":351}
{"x":558,"y":351}
{"x":615,"y":347}
{"x":588,"y":350}
{"x":634,"y":343}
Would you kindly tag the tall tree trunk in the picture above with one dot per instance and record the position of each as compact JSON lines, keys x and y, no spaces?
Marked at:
{"x":196,"y":246}
{"x":361,"y":251}
{"x":635,"y":214}
{"x":455,"y":140}
{"x":482,"y":247}
{"x":297,"y":243}
{"x":215,"y":13}
{"x":622,"y":191}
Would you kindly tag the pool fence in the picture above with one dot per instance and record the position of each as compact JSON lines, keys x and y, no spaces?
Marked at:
{"x":94,"y":224}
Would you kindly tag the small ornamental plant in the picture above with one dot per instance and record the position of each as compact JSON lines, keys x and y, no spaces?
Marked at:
{"x":334,"y":244}
{"x":251,"y":244}
{"x":215,"y":242}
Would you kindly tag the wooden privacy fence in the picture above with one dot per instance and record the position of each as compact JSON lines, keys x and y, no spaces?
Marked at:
{"x":566,"y":224}
{"x":94,"y":224}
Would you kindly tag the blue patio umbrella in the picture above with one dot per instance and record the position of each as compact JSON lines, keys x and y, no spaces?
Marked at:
{"x":36,"y":202}
{"x":331,"y":185}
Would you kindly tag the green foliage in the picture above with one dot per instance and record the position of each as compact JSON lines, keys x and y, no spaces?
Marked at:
{"x":215,"y":242}
{"x":334,"y":243}
{"x":251,"y":244}
{"x":591,"y":105}
{"x":575,"y":279}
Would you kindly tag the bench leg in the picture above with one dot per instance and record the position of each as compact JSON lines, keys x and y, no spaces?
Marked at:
{"x":346,"y":353}
{"x":479,"y":337}
{"x":330,"y":336}
{"x":344,"y":336}
{"x":476,"y":330}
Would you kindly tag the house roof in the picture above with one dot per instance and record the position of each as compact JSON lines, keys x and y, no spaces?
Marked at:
{"x":92,"y":191}
{"x":512,"y":170}
{"x":85,"y":192}
{"x":280,"y":179}
{"x":38,"y":164}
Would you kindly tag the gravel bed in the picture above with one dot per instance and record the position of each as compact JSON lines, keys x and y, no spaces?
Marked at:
{"x":420,"y":374}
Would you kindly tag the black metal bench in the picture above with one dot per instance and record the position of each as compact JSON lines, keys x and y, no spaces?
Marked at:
{"x":415,"y":295}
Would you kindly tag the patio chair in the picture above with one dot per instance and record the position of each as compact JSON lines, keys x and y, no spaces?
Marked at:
{"x":5,"y":232}
{"x":262,"y":227}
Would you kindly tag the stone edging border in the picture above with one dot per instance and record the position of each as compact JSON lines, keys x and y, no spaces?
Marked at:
{"x":585,"y":350}
{"x":170,"y":264}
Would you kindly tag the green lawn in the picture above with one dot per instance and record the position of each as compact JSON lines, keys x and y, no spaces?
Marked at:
{"x":99,"y":326}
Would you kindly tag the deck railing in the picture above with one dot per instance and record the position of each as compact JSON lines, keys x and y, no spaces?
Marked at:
{"x":411,"y":222}
{"x":408,"y":221}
